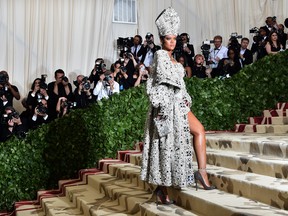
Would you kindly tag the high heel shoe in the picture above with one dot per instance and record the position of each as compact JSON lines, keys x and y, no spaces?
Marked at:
{"x":198,"y":177}
{"x":160,"y":194}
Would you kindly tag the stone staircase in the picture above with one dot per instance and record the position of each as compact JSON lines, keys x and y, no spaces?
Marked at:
{"x":249,"y":169}
{"x":272,"y":121}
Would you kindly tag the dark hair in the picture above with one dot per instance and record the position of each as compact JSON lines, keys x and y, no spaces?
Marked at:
{"x":33,"y":84}
{"x":186,"y":35}
{"x":185,"y":60}
{"x":236,"y":53}
{"x":140,"y":38}
{"x":244,"y":39}
{"x":270,"y":41}
{"x":59,"y":71}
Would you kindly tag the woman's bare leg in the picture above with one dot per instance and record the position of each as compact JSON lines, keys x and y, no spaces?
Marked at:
{"x":199,"y":144}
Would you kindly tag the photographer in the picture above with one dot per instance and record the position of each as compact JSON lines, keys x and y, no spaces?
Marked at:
{"x":141,"y":75}
{"x":216,"y":54}
{"x":99,"y":68}
{"x":124,"y":70}
{"x":148,"y":49}
{"x":38,"y":91}
{"x":64,"y":106}
{"x":40,"y":115}
{"x":59,"y":88}
{"x":188,"y":49}
{"x":11,"y":124}
{"x":7,"y":91}
{"x":106,"y":86}
{"x":82,"y":94}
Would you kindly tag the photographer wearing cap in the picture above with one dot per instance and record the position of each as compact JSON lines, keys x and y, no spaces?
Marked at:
{"x":7,"y":91}
{"x":82,"y":94}
{"x":59,"y":88}
{"x":11,"y":124}
{"x":148,"y":49}
{"x":106,"y":86}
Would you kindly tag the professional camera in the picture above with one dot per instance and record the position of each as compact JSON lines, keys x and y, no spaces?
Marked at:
{"x":254,"y":30}
{"x":124,"y":42}
{"x":9,"y":116}
{"x":100,"y":66}
{"x":86,"y":83}
{"x":3,"y":79}
{"x":68,"y":104}
{"x":64,"y":78}
{"x":3,"y":90}
{"x":235,"y":35}
{"x":148,"y":38}
{"x":127,"y":55}
{"x":43,"y":78}
{"x":206,"y":48}
{"x":41,"y":108}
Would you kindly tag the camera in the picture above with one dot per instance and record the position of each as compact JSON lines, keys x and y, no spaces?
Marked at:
{"x":274,"y":18}
{"x":68,"y":104}
{"x":254,"y":30}
{"x":100,"y":66}
{"x":148,"y":38}
{"x":41,"y":108}
{"x":86,"y":83}
{"x":3,"y":90}
{"x":124,"y":42}
{"x":3,"y":79}
{"x":206,"y":48}
{"x":9,"y":116}
{"x":64,"y":78}
{"x":235,"y":35}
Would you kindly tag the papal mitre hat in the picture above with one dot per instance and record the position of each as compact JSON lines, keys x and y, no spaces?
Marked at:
{"x":168,"y":22}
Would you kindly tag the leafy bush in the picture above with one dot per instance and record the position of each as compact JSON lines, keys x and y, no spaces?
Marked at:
{"x":59,"y":149}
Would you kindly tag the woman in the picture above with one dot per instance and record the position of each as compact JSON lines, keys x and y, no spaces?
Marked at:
{"x":198,"y":70}
{"x":273,"y":45}
{"x":167,"y":153}
{"x":141,"y":74}
{"x":232,"y":64}
{"x":188,"y":73}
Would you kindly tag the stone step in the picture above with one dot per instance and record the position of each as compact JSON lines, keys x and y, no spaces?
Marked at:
{"x":265,"y":189}
{"x":216,"y":202}
{"x":275,"y":145}
{"x":275,"y":112}
{"x":268,"y":120}
{"x":261,"y":128}
{"x":259,"y":164}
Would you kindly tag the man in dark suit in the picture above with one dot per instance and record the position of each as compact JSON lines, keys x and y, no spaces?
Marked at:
{"x":245,"y":54}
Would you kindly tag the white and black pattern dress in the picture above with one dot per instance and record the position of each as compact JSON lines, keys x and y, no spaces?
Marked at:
{"x":167,"y":152}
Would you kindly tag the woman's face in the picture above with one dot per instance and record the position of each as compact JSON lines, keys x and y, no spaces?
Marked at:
{"x":181,"y":60}
{"x":169,"y":42}
{"x":231,"y":54}
{"x":274,"y":37}
{"x":199,"y":60}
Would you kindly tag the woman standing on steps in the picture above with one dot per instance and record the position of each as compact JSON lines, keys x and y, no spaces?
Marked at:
{"x":167,"y":153}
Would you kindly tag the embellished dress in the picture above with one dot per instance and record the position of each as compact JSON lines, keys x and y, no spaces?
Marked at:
{"x":167,"y":152}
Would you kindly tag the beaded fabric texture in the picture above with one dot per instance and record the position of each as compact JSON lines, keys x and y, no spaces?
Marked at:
{"x":167,"y":151}
{"x":168,"y":22}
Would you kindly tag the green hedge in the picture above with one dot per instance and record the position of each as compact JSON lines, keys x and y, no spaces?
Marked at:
{"x":59,"y":149}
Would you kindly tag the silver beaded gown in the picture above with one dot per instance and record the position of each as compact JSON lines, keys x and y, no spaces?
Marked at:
{"x":167,"y":152}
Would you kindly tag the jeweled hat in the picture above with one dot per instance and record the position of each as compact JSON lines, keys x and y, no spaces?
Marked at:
{"x":168,"y":22}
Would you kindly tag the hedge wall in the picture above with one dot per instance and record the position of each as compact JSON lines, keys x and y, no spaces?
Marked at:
{"x":59,"y":149}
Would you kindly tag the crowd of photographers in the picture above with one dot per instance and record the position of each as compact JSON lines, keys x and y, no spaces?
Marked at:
{"x":46,"y":102}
